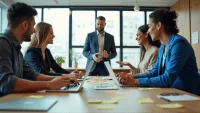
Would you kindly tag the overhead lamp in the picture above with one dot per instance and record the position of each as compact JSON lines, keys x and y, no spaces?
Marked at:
{"x":136,"y":7}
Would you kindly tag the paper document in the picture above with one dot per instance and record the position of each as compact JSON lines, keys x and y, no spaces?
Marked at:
{"x":184,"y":97}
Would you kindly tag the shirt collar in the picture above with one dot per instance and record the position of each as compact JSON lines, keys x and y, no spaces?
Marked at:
{"x":12,"y":38}
{"x":100,"y":34}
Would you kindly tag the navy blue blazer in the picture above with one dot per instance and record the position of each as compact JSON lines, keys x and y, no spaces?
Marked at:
{"x":35,"y":60}
{"x":91,"y":47}
{"x":180,"y":70}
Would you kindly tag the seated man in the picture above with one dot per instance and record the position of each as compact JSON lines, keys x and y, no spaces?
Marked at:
{"x":15,"y":75}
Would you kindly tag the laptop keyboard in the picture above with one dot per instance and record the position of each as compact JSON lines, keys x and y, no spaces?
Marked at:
{"x":70,"y":87}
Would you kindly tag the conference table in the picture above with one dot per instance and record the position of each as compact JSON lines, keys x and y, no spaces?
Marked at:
{"x":126,"y":97}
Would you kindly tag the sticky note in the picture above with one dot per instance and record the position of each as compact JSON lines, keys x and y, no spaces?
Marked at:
{"x":109,"y":101}
{"x":35,"y":96}
{"x":94,"y":101}
{"x":145,"y":100}
{"x":146,"y":89}
{"x":172,"y":106}
{"x":105,"y":107}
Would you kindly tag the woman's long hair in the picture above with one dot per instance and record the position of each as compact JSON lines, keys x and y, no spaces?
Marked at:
{"x":144,"y":29}
{"x":41,"y":34}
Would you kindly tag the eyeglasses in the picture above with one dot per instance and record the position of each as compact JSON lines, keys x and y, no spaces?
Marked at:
{"x":169,"y":94}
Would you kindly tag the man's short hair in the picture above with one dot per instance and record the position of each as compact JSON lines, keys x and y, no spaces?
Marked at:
{"x":18,"y":13}
{"x":101,"y":18}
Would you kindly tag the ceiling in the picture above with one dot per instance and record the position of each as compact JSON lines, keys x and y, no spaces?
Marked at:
{"x":151,"y":3}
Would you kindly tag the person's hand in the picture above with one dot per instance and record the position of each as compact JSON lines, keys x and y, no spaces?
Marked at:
{"x":105,"y":54}
{"x":119,"y":73}
{"x":123,"y":63}
{"x":129,"y":81}
{"x":72,"y":78}
{"x":58,"y":82}
{"x":94,"y":56}
{"x":77,"y":74}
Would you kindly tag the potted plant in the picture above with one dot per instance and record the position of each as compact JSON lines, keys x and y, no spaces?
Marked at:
{"x":74,"y":56}
{"x":60,"y":60}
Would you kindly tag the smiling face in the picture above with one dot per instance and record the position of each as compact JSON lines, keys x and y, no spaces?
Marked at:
{"x":50,"y":36}
{"x":154,"y":30}
{"x":142,"y":38}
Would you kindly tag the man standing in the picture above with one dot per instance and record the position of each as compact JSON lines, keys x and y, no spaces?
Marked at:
{"x":15,"y":75}
{"x":100,"y":47}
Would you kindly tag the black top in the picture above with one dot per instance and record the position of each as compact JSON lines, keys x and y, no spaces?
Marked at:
{"x":35,"y":60}
{"x":12,"y":64}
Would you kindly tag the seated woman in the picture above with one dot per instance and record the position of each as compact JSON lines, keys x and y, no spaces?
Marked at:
{"x":148,"y":52}
{"x":39,"y":57}
{"x":176,"y":65}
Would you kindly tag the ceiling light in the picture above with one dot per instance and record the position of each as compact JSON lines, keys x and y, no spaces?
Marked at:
{"x":136,"y":7}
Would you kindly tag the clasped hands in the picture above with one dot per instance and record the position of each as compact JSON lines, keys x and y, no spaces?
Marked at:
{"x":98,"y":57}
{"x":125,"y":78}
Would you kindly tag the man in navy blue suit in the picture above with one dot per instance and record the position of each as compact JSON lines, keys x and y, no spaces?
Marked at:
{"x":100,"y":47}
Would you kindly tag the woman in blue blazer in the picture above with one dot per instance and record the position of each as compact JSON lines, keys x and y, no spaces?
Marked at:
{"x":39,"y":57}
{"x":176,"y":65}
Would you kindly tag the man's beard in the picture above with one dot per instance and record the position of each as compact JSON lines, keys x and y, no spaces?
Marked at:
{"x":27,"y":36}
{"x":100,"y":29}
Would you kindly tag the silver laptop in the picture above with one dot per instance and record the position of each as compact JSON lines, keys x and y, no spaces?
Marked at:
{"x":73,"y":87}
{"x":112,"y":74}
{"x":27,"y":104}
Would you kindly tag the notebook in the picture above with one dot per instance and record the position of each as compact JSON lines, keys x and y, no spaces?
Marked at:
{"x":112,"y":74}
{"x":73,"y":87}
{"x":184,"y":97}
{"x":27,"y":104}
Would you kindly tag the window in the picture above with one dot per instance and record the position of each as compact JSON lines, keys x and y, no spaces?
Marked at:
{"x":148,"y":13}
{"x":59,"y":19}
{"x":38,"y":19}
{"x":81,"y":26}
{"x":131,"y":21}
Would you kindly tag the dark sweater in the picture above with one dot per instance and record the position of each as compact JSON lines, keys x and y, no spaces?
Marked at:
{"x":35,"y":60}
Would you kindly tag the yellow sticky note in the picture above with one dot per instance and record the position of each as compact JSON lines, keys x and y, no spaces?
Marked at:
{"x":35,"y":96}
{"x":146,"y":89}
{"x":105,"y":107}
{"x":118,"y":97}
{"x":110,"y":101}
{"x":94,"y":101}
{"x":172,"y":106}
{"x":145,"y":100}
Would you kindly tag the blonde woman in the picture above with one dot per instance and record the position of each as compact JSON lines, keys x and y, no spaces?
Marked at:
{"x":148,"y":54}
{"x":39,"y":57}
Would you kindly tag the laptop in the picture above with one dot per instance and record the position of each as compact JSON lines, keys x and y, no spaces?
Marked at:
{"x":112,"y":75}
{"x":73,"y":87}
{"x":27,"y":104}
